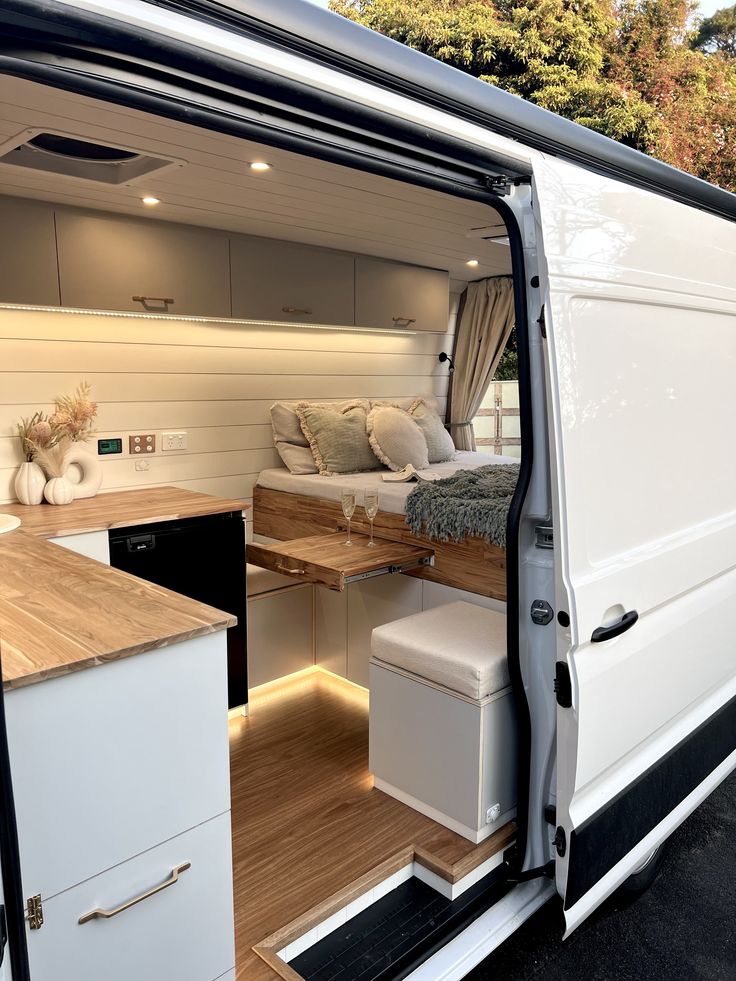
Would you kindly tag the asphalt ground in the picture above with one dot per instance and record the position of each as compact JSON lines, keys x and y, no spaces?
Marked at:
{"x":683,"y":928}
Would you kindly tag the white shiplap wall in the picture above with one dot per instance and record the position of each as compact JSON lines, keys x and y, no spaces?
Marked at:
{"x":214,"y":380}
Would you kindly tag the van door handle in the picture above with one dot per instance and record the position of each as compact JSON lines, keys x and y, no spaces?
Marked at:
{"x":612,"y":630}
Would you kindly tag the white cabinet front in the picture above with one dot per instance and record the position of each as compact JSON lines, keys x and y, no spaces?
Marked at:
{"x":152,"y":922}
{"x":110,"y":761}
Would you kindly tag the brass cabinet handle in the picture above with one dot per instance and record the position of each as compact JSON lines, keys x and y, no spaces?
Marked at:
{"x":304,"y":310}
{"x":163,"y":301}
{"x":404,"y":320}
{"x":105,"y":914}
{"x":294,"y":572}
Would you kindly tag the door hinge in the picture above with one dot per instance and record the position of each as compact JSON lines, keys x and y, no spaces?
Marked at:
{"x":34,"y":912}
{"x":563,"y":685}
{"x":501,"y":184}
{"x":560,"y":842}
{"x":542,"y":323}
{"x":544,"y":536}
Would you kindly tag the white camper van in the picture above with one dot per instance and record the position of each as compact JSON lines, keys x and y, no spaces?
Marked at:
{"x":263,"y":235}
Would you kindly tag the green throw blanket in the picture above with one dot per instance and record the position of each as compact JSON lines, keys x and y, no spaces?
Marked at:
{"x":470,"y":502}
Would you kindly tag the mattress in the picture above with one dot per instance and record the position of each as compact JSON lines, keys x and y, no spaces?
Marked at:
{"x":392,"y":496}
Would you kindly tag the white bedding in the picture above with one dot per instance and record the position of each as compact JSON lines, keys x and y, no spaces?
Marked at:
{"x":392,"y":496}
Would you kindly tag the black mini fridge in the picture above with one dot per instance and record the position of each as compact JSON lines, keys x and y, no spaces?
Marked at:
{"x":203,"y":558}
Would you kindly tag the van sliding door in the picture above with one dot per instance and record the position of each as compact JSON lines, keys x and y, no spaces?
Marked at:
{"x":640,"y":313}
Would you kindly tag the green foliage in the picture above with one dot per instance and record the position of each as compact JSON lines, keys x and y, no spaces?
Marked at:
{"x":507,"y":368}
{"x":718,"y":33}
{"x":625,"y":68}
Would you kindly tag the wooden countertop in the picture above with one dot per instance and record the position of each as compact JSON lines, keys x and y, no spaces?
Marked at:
{"x":61,"y":612}
{"x":117,"y":510}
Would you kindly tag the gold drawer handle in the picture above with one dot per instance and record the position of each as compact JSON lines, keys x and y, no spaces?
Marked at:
{"x":302,"y":310}
{"x":105,"y":914}
{"x":404,"y":320}
{"x":294,"y":572}
{"x":147,"y":301}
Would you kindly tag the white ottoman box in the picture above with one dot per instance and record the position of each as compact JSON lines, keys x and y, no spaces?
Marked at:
{"x":442,"y":721}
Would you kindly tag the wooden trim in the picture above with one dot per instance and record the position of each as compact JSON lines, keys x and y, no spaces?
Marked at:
{"x":280,"y":968}
{"x":454,"y":873}
{"x":472,"y":564}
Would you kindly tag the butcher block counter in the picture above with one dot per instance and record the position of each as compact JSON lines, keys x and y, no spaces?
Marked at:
{"x":62,"y":612}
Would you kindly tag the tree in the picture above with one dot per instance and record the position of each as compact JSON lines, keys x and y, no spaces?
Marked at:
{"x":625,"y":68}
{"x":718,"y":33}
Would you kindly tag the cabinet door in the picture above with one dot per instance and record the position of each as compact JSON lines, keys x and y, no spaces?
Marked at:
{"x":112,"y":263}
{"x":181,"y":932}
{"x":28,"y":269}
{"x":274,"y":280}
{"x":395,"y":295}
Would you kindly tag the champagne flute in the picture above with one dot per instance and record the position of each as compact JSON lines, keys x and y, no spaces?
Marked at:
{"x":370,"y":503}
{"x":347,"y":499}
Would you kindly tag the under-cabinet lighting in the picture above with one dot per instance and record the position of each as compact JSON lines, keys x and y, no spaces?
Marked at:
{"x":260,"y":166}
{"x":150,"y":201}
{"x":224,"y":321}
{"x":472,"y":263}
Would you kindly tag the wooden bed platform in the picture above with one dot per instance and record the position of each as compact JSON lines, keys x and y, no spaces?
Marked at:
{"x":472,"y":564}
{"x":310,"y":833}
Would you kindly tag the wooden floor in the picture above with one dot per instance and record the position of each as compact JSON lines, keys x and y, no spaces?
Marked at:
{"x":306,"y":819}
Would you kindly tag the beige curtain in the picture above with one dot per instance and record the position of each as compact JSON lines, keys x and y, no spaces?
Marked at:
{"x":486,"y":321}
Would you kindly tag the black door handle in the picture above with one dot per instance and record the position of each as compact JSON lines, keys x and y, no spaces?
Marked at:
{"x":614,"y":629}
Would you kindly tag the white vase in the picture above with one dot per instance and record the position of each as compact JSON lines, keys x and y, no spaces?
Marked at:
{"x":91,"y":469}
{"x":59,"y":491}
{"x":29,"y":483}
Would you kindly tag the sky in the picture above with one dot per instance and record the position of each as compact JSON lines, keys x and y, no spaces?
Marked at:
{"x":707,"y":7}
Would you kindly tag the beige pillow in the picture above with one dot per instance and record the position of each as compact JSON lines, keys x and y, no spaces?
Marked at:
{"x":290,"y":441}
{"x":337,"y":437}
{"x":396,"y":439}
{"x":440,"y":446}
{"x":408,"y":402}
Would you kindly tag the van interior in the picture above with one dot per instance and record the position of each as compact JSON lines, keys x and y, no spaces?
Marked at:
{"x":195,"y":279}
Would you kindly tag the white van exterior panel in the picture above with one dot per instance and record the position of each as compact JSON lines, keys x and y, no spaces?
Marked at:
{"x":641,"y":336}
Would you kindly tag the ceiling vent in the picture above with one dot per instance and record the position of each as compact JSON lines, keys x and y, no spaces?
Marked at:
{"x":72,"y":156}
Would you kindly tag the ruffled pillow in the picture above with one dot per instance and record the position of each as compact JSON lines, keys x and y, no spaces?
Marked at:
{"x":337,"y":437}
{"x":396,"y":439}
{"x":440,"y":446}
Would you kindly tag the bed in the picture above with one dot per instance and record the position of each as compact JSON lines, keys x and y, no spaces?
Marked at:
{"x":288,"y":506}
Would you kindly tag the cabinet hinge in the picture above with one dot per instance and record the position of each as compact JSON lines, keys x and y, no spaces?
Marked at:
{"x":34,"y":912}
{"x":501,"y":184}
{"x":563,"y":685}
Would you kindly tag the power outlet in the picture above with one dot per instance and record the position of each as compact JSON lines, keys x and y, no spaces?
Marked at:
{"x":173,"y":441}
{"x":143,"y":443}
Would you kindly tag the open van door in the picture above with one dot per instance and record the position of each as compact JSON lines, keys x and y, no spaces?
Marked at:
{"x":640,"y":324}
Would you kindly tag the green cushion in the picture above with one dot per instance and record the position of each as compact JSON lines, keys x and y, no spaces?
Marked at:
{"x":338,"y":438}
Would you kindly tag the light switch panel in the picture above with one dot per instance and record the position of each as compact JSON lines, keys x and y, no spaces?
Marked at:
{"x":141,"y":444}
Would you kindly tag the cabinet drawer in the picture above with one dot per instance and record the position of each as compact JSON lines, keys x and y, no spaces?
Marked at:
{"x":273,"y":280}
{"x":183,"y":931}
{"x":110,"y":761}
{"x":105,"y":262}
{"x":396,"y":295}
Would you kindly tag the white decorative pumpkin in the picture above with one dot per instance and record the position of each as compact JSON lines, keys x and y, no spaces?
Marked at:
{"x":91,"y":470}
{"x":59,"y":491}
{"x":29,"y":483}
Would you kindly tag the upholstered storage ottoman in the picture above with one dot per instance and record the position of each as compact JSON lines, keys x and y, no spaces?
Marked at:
{"x":442,"y":721}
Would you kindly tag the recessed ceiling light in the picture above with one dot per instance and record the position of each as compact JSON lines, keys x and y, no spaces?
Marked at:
{"x":472,"y":262}
{"x":260,"y":165}
{"x":150,"y":201}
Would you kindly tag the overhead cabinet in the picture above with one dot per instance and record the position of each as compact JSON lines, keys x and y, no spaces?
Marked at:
{"x":111,"y":263}
{"x":393,"y":295}
{"x":274,"y":280}
{"x":28,"y":272}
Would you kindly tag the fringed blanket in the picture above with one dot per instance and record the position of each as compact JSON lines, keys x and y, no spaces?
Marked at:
{"x":470,"y":502}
